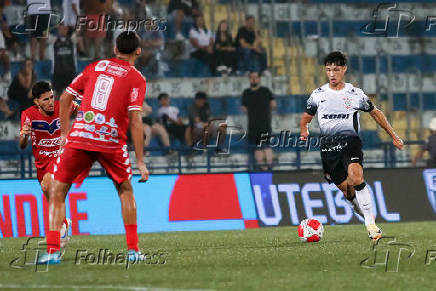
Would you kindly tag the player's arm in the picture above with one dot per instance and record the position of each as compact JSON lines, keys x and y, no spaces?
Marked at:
{"x":381,"y":120}
{"x":65,"y":113}
{"x":25,"y":131}
{"x":24,"y":135}
{"x":306,"y":118}
{"x":137,"y":134}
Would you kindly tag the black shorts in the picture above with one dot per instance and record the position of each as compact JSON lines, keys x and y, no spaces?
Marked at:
{"x":39,"y":25}
{"x":259,"y":136}
{"x":147,"y":120}
{"x":338,"y":155}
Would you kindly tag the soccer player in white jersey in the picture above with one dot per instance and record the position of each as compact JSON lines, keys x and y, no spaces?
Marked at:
{"x":338,"y":104}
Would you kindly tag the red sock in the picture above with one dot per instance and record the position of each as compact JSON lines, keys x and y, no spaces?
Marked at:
{"x":65,"y":221}
{"x":53,"y":241}
{"x":132,"y":236}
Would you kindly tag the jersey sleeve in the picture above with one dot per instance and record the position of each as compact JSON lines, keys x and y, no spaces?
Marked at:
{"x":137,"y":95}
{"x":311,"y":105}
{"x":365,"y":103}
{"x":77,"y":87}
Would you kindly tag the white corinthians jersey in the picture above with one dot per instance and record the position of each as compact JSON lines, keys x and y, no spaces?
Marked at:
{"x":338,"y":110}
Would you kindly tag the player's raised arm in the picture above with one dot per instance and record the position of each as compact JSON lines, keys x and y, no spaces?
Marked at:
{"x":137,"y":133}
{"x":25,"y":131}
{"x":381,"y":120}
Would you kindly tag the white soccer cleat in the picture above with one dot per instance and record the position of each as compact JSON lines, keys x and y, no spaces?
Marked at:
{"x":64,"y":233}
{"x":374,"y":232}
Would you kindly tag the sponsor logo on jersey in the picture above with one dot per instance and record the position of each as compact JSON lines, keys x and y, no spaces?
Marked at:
{"x":101,"y":66}
{"x":50,"y":142}
{"x":335,"y":116}
{"x":41,"y":125}
{"x":49,"y":154}
{"x":89,"y":116}
{"x":79,"y":116}
{"x":100,"y":119}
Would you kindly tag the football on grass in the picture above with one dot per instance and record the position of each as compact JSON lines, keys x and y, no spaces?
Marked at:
{"x":310,"y":230}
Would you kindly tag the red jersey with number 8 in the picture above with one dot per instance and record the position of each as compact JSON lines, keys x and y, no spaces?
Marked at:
{"x":109,"y":89}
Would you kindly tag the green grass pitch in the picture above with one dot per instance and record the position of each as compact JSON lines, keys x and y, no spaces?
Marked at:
{"x":254,"y":259}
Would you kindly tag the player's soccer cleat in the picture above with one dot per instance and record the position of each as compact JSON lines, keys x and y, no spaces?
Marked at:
{"x":374,"y":232}
{"x":64,"y":233}
{"x":134,"y":256}
{"x":49,"y":259}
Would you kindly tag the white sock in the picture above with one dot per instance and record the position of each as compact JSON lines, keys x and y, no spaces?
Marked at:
{"x":364,"y":199}
{"x":355,"y":205}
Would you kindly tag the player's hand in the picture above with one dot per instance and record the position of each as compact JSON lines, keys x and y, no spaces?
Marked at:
{"x":26,"y":130}
{"x":398,"y":143}
{"x":63,"y":140}
{"x":144,"y":172}
{"x":304,"y":135}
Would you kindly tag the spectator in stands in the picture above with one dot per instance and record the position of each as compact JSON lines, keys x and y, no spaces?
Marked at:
{"x":189,"y":7}
{"x":176,"y":35}
{"x":4,"y":108}
{"x":71,"y":9}
{"x":251,"y":52}
{"x":152,"y":43}
{"x":95,"y":11}
{"x":153,"y":128}
{"x":202,"y":125}
{"x":4,"y":59}
{"x":429,"y":146}
{"x":64,"y":60}
{"x":4,"y":56}
{"x":20,"y":90}
{"x":258,"y":102}
{"x":225,"y":52}
{"x":169,"y":117}
{"x":202,"y":42}
{"x":39,"y":12}
{"x":8,"y":20}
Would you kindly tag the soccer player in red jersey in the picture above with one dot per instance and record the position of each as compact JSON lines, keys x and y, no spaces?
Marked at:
{"x":112,"y":93}
{"x":41,"y":122}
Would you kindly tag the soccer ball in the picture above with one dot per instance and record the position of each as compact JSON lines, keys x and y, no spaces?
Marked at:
{"x":310,"y":230}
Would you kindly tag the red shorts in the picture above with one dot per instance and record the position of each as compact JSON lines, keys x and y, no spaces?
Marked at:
{"x":72,"y":163}
{"x":40,"y":172}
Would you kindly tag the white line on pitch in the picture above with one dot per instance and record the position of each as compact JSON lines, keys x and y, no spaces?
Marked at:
{"x":16,"y":286}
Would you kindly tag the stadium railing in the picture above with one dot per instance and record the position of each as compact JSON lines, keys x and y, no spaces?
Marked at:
{"x":180,"y":160}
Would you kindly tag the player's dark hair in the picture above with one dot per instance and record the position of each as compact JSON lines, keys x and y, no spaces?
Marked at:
{"x":40,"y":88}
{"x":162,"y":95}
{"x":201,"y":95}
{"x":335,"y":58}
{"x":249,"y":16}
{"x":127,"y":42}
